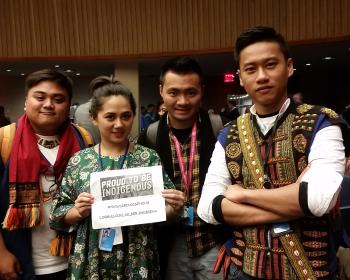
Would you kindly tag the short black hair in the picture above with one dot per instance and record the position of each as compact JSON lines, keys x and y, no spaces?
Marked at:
{"x":260,"y":34}
{"x":52,"y":75}
{"x":181,"y":65}
{"x":104,"y":86}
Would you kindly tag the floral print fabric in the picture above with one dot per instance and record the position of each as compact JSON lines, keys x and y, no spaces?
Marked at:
{"x":137,"y":257}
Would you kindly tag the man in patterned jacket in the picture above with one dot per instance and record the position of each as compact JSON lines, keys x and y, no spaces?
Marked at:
{"x":275,"y":173}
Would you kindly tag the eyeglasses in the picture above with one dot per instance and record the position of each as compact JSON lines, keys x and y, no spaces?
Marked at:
{"x":52,"y":190}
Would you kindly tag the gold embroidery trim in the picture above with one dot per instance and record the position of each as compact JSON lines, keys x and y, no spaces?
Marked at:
{"x":250,"y":149}
{"x":291,"y":244}
{"x":296,"y":255}
{"x":258,"y":247}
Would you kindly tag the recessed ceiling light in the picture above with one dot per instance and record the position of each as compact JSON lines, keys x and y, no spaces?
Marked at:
{"x":8,"y":70}
{"x":69,"y":71}
{"x":77,"y":74}
{"x":328,"y":58}
{"x":295,"y":69}
{"x":57,"y":66}
{"x":22,"y":74}
{"x":308,"y":64}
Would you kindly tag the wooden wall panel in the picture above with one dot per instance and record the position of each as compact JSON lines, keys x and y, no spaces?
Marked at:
{"x":131,"y":28}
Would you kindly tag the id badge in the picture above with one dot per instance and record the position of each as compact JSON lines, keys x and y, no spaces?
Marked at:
{"x":279,"y":229}
{"x":189,"y":215}
{"x":118,"y":239}
{"x":106,"y":239}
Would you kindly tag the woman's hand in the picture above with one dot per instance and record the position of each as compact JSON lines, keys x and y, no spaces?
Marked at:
{"x":83,"y":204}
{"x":81,"y":209}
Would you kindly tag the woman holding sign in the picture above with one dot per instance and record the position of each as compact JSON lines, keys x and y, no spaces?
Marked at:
{"x":128,"y":252}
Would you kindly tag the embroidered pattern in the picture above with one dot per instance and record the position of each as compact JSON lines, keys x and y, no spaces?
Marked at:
{"x":315,"y":244}
{"x":302,"y":163}
{"x":240,"y":243}
{"x":234,"y":169}
{"x":315,"y":234}
{"x":303,"y":108}
{"x":316,"y":253}
{"x":233,"y":150}
{"x":237,"y":252}
{"x":299,"y":143}
{"x":317,"y":263}
{"x":329,"y":112}
{"x":286,"y":162}
{"x":262,"y":248}
{"x":296,"y":256}
{"x":236,"y":261}
{"x":320,"y":274}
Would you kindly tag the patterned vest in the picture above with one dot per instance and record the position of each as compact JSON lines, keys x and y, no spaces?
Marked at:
{"x":255,"y":250}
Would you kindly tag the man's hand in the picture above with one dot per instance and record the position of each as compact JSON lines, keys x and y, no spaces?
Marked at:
{"x":174,"y":198}
{"x":235,"y":193}
{"x":10,"y":268}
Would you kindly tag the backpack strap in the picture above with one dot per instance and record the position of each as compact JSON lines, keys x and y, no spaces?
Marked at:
{"x":151,"y":134}
{"x":84,"y":137}
{"x":7,"y":133}
{"x":216,"y":123}
{"x":152,"y":129}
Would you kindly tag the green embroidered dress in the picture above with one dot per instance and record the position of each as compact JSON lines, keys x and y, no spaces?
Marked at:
{"x":137,"y":257}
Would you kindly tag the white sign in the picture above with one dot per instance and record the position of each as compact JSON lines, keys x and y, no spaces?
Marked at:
{"x":127,"y":197}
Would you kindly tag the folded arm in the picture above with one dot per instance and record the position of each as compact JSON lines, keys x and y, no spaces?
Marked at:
{"x":315,"y":196}
{"x":282,"y":202}
{"x":248,"y":215}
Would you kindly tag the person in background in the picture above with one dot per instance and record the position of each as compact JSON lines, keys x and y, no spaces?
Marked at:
{"x":298,"y":97}
{"x":161,"y":109}
{"x":150,"y":115}
{"x":142,"y":118}
{"x":82,"y":118}
{"x":184,"y":138}
{"x":231,"y":113}
{"x":3,"y":119}
{"x":72,"y":110}
{"x":276,"y":172}
{"x":41,"y":147}
{"x":112,"y":110}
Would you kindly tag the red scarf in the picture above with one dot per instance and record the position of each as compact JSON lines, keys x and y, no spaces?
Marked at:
{"x":26,"y":165}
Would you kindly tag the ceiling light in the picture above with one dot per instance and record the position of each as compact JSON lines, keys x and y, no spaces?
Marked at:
{"x":77,"y":74}
{"x":57,"y":66}
{"x":295,"y":69}
{"x":8,"y":70}
{"x":22,"y":74}
{"x":328,"y":58}
{"x":308,"y":64}
{"x":69,"y":71}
